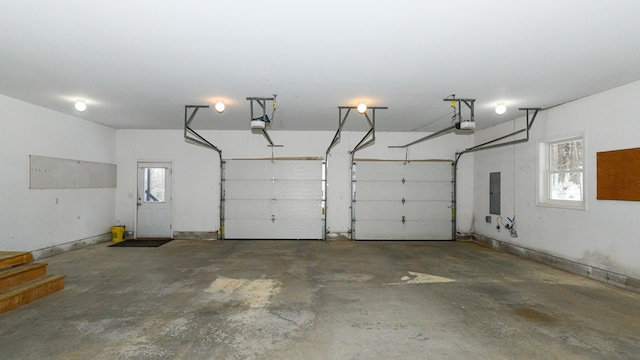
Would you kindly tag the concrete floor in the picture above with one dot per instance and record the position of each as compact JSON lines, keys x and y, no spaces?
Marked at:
{"x":319,"y":300}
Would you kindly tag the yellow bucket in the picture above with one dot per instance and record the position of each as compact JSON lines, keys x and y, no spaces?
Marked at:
{"x":117,"y":233}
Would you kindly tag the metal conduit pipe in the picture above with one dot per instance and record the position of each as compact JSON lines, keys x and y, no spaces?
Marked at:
{"x":430,"y":136}
{"x":484,"y":146}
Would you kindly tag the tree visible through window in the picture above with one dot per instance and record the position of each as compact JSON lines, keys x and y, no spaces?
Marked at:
{"x":565,"y":170}
{"x":562,"y":172}
{"x":154,"y":187}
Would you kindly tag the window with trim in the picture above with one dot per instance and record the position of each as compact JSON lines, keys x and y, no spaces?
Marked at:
{"x":561,"y":180}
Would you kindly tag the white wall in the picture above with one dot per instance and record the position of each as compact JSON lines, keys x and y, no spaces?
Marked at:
{"x":37,"y":219}
{"x":605,"y":234}
{"x":196,"y":175}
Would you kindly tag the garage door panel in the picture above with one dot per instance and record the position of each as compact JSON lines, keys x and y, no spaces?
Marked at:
{"x":296,"y":209}
{"x":248,"y":170}
{"x":411,"y":210}
{"x":280,"y":209}
{"x":248,"y":209}
{"x":411,"y":171}
{"x":298,"y":169}
{"x":390,"y":171}
{"x":300,"y":189}
{"x":379,"y":209}
{"x":427,"y":210}
{"x":273,"y":199}
{"x":248,"y":189}
{"x":395,"y":230}
{"x":386,"y":190}
{"x":427,"y":190}
{"x":379,"y":190}
{"x":279,"y":229}
{"x":427,"y":171}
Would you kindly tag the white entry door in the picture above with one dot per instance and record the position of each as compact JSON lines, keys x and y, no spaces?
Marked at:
{"x":154,"y":200}
{"x":397,"y":200}
{"x":273,"y":199}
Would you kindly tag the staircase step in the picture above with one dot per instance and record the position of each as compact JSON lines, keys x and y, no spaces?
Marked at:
{"x":19,"y":275}
{"x":13,"y":258}
{"x":30,"y":291}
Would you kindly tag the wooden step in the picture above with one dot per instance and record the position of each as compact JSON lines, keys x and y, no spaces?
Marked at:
{"x":19,"y":275}
{"x":13,"y":258}
{"x":28,"y":292}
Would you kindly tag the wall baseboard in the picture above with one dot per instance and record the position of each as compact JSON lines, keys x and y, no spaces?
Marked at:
{"x":73,"y":245}
{"x":573,"y":267}
{"x":195,"y":235}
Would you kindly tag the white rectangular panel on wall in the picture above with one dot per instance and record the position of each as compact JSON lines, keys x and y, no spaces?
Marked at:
{"x":273,"y":199}
{"x":397,"y":200}
{"x":53,"y":173}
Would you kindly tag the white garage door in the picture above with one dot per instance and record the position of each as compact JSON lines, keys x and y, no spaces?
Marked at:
{"x":396,"y":200}
{"x":273,"y":199}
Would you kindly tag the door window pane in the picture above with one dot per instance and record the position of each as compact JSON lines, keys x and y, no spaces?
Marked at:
{"x":154,"y":184}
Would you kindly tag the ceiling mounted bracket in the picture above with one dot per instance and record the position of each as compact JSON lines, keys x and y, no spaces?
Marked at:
{"x":460,"y":122}
{"x":191,"y":135}
{"x":369,"y":137}
{"x":259,"y":123}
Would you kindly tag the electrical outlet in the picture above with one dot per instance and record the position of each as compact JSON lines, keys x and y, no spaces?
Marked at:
{"x":487,"y":219}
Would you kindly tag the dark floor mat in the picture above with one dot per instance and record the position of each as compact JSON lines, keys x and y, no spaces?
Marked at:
{"x":141,"y":243}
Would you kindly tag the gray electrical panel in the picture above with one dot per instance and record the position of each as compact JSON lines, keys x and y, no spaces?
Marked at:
{"x":494,"y":193}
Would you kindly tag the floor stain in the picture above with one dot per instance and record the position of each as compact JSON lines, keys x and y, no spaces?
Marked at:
{"x":536,"y":316}
{"x":419,"y":278}
{"x":255,"y":293}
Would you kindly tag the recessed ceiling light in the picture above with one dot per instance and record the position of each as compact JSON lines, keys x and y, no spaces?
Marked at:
{"x":80,"y":106}
{"x":220,"y":107}
{"x":501,"y":109}
{"x":362,"y":108}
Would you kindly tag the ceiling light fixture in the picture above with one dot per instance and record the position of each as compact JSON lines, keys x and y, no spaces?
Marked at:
{"x":220,"y":107}
{"x":501,"y":109}
{"x":80,"y":106}
{"x":362,"y":108}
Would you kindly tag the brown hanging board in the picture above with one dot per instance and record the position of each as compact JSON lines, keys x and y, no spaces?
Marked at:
{"x":619,"y":175}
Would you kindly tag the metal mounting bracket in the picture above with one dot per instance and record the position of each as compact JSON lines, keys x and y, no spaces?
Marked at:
{"x":370,"y":136}
{"x":468,"y":102}
{"x":191,"y":135}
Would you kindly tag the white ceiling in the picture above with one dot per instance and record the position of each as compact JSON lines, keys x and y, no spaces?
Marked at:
{"x":137,"y":63}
